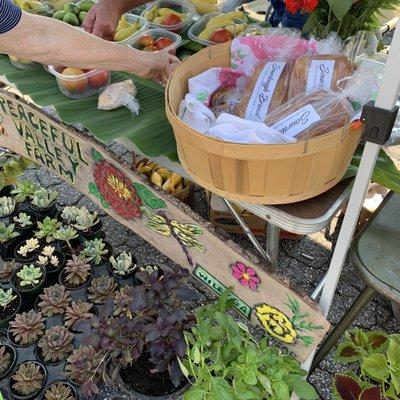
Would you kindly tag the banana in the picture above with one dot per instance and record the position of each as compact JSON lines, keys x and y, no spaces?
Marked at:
{"x":122,"y":24}
{"x":167,"y":11}
{"x":124,"y":33}
{"x":225,"y":18}
{"x":236,"y":28}
{"x":158,"y":20}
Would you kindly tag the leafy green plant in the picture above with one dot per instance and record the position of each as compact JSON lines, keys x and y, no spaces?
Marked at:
{"x":7,"y":232}
{"x":66,"y":234}
{"x":29,"y":247}
{"x":7,"y":206}
{"x":94,"y":250}
{"x":6,"y":297}
{"x":29,"y":275}
{"x":224,"y":361}
{"x":11,"y":167}
{"x":69,"y":213}
{"x":123,"y":264}
{"x":23,"y":190}
{"x":43,"y":198}
{"x":23,"y":220}
{"x":47,"y":229}
{"x":85,"y":220}
{"x":377,"y":355}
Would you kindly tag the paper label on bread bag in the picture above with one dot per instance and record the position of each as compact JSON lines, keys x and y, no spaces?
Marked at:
{"x":320,"y":75}
{"x":263,"y":91}
{"x":297,"y":122}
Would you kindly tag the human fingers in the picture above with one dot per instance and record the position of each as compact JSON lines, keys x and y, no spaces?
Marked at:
{"x":89,"y":20}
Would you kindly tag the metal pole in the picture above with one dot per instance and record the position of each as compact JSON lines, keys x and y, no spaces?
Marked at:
{"x":272,"y":244}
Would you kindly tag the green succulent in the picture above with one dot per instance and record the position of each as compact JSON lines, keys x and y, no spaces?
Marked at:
{"x":29,"y":275}
{"x":69,"y":214}
{"x":94,"y":250}
{"x":66,"y":234}
{"x":43,"y":198}
{"x":23,"y":220}
{"x":85,"y":220}
{"x":23,"y":190}
{"x":7,"y":206}
{"x":7,"y":232}
{"x":123,"y":264}
{"x":30,"y":246}
{"x":47,"y":229}
{"x":6,"y":297}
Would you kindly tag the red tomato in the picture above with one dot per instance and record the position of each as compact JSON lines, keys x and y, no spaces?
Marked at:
{"x":99,"y":80}
{"x":171,"y":19}
{"x":163,"y":42}
{"x":221,"y":36}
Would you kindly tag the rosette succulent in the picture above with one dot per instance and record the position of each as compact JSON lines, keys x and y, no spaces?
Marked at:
{"x":77,"y":271}
{"x":66,"y":234}
{"x":85,"y":220}
{"x":27,"y":328}
{"x":7,"y":232}
{"x":23,"y":220}
{"x":6,"y":271}
{"x":101,"y":288}
{"x":123,"y":301}
{"x":29,"y":247}
{"x":28,"y":378}
{"x":54,"y":300}
{"x":7,"y":206}
{"x":56,"y":344}
{"x":29,"y":275}
{"x":123,"y":264}
{"x":47,"y":258}
{"x":69,"y":214}
{"x":6,"y":297}
{"x":47,"y":229}
{"x":94,"y":250}
{"x":43,"y":198}
{"x":23,"y":190}
{"x":77,"y":311}
{"x":5,"y":359}
{"x":59,"y":391}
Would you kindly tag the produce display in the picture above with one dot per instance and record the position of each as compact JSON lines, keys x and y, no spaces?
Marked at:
{"x":128,"y":27}
{"x":207,"y":6}
{"x":156,"y":40}
{"x":74,"y":14}
{"x":33,"y":6}
{"x":22,"y":63}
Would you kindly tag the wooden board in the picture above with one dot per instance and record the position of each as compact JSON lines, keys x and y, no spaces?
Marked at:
{"x":170,"y":226}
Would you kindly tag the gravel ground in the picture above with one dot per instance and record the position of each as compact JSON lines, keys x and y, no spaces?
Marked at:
{"x":304,"y":262}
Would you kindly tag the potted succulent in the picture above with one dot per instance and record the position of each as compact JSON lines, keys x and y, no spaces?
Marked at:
{"x":52,"y":261}
{"x":7,"y":207}
{"x":10,"y":303}
{"x":24,"y":222}
{"x":28,"y":279}
{"x":123,"y":268}
{"x":27,"y":251}
{"x":26,"y":328}
{"x":47,"y":229}
{"x":6,"y":270}
{"x":78,"y":311}
{"x":98,"y":252}
{"x":8,"y":240}
{"x":44,"y":202}
{"x":101,"y":289}
{"x":149,"y":269}
{"x":68,"y":237}
{"x":23,"y":191}
{"x":60,"y":390}
{"x":28,"y":380}
{"x":53,"y":302}
{"x":88,"y":224}
{"x":68,"y":214}
{"x":55,"y":345}
{"x":76,"y":274}
{"x":8,"y":357}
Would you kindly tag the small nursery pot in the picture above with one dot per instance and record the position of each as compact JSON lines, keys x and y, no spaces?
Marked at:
{"x":123,"y":280}
{"x":7,"y":249}
{"x":31,"y":291}
{"x":65,"y":383}
{"x":53,"y":273}
{"x":12,"y":351}
{"x":40,"y":358}
{"x":72,"y":289}
{"x":26,"y":229}
{"x":4,"y":320}
{"x":102,"y":268}
{"x":30,"y":259}
{"x":6,"y":191}
{"x":41,"y":213}
{"x":33,"y":395}
{"x":95,"y":232}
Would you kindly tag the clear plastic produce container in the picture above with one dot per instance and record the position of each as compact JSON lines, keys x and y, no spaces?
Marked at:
{"x":80,"y":86}
{"x":180,"y":6}
{"x":132,"y":19}
{"x":176,"y":40}
{"x":200,"y":25}
{"x":24,"y":64}
{"x":205,"y":7}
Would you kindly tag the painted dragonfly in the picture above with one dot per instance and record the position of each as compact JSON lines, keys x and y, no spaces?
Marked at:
{"x":185,"y":234}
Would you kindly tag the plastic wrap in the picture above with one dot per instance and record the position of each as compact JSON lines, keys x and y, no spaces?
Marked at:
{"x":117,"y":95}
{"x":318,"y":72}
{"x":265,"y":90}
{"x":225,"y":100}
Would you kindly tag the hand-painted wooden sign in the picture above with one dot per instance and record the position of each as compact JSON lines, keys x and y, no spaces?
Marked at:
{"x":164,"y":222}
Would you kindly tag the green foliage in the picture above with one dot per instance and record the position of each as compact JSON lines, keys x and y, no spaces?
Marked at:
{"x":378,"y":356}
{"x":47,"y":229}
{"x":23,"y":220}
{"x":23,"y":190}
{"x":66,"y":233}
{"x":7,"y":206}
{"x":7,"y":232}
{"x":123,"y":264}
{"x":69,"y":214}
{"x":11,"y":167}
{"x":94,"y":250}
{"x":43,"y":198}
{"x":6,"y":297}
{"x":85,"y":220}
{"x":225,"y":362}
{"x":29,"y":275}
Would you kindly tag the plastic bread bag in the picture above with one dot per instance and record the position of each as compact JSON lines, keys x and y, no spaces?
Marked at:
{"x":318,"y":72}
{"x":121,"y":94}
{"x":310,"y":115}
{"x":225,"y":100}
{"x":265,"y":90}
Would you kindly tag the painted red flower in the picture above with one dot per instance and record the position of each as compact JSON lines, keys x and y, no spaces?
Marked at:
{"x":117,"y":190}
{"x":245,"y":275}
{"x":305,"y":6}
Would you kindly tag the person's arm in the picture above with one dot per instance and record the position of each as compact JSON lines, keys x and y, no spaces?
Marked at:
{"x":103,"y":17}
{"x":50,"y":41}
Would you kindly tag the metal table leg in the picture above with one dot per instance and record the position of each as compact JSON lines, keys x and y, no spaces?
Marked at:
{"x":272,"y":244}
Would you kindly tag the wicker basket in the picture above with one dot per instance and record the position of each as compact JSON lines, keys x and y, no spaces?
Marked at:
{"x":255,"y":173}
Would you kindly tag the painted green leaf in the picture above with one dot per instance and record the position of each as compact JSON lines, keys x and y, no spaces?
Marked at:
{"x":93,"y":189}
{"x":340,"y":7}
{"x":96,"y":155}
{"x":375,"y":367}
{"x":148,"y":197}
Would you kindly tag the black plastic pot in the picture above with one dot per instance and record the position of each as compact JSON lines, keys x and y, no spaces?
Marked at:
{"x":123,"y":280}
{"x":76,"y":245}
{"x":102,"y":268}
{"x":19,"y":347}
{"x":40,"y":358}
{"x":34,"y":395}
{"x":96,"y":232}
{"x":53,"y":273}
{"x":28,"y":229}
{"x":28,"y":293}
{"x":4,"y":323}
{"x":11,"y":350}
{"x":77,"y":293}
{"x":7,"y":249}
{"x":41,"y":213}
{"x":66,"y":383}
{"x":25,"y":260}
{"x":6,"y":190}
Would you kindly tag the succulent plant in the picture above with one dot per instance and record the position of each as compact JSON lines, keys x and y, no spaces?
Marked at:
{"x":123,"y":264}
{"x":101,"y":288}
{"x":47,"y":229}
{"x":29,"y":247}
{"x":59,"y":391}
{"x":29,"y":275}
{"x":66,"y":234}
{"x":69,"y":214}
{"x":23,"y":190}
{"x":23,"y":220}
{"x":55,"y":300}
{"x":94,"y":250}
{"x":6,"y":271}
{"x":28,"y":378}
{"x":77,"y":271}
{"x":150,"y":268}
{"x":123,"y":302}
{"x":27,"y":327}
{"x":48,"y":258}
{"x":7,"y":232}
{"x":56,"y":344}
{"x":43,"y":198}
{"x":85,"y":220}
{"x":7,"y":206}
{"x":6,"y":297}
{"x":5,"y":359}
{"x":77,"y":311}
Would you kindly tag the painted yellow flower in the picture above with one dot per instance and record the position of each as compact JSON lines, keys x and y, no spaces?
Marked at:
{"x":276,"y":323}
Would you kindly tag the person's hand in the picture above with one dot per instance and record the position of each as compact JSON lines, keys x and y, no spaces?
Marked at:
{"x":102,"y":19}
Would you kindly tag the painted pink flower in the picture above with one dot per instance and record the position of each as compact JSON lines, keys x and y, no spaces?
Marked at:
{"x":245,"y":275}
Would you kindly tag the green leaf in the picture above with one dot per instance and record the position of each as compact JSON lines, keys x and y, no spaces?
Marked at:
{"x":340,"y":7}
{"x":378,"y":340}
{"x":195,"y":393}
{"x":183,"y":368}
{"x":281,"y":390}
{"x":196,"y":355}
{"x":395,"y":379}
{"x":148,"y":197}
{"x":305,"y":390}
{"x":375,"y":366}
{"x":393,"y":352}
{"x":220,"y":389}
{"x":265,"y":382}
{"x":347,"y":353}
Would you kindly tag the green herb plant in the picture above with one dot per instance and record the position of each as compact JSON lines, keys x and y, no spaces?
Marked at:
{"x":7,"y":232}
{"x":29,"y":275}
{"x":225,"y":362}
{"x":7,"y":206}
{"x":23,"y":220}
{"x":11,"y":167}
{"x":6,"y":297}
{"x":23,"y":190}
{"x":43,"y":198}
